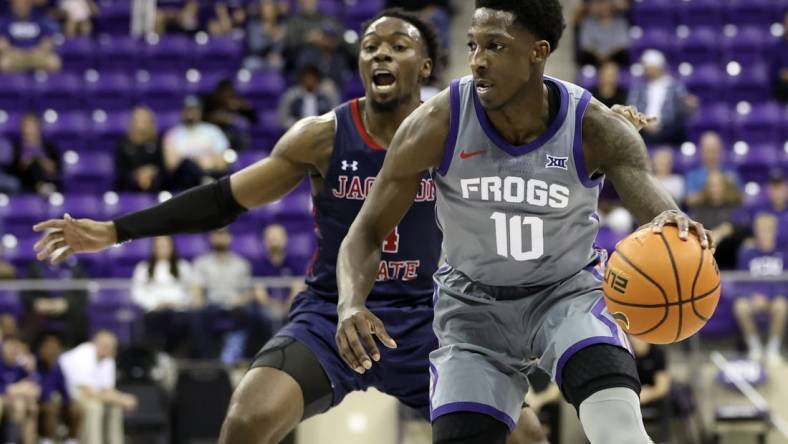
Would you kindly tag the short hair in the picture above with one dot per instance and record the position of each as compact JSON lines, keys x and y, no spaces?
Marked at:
{"x":543,"y":18}
{"x":428,"y":33}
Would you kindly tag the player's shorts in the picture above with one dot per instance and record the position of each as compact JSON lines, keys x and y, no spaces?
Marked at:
{"x":402,"y":372}
{"x":492,"y":337}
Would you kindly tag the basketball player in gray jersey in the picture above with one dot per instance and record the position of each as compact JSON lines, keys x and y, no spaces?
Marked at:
{"x":518,"y":160}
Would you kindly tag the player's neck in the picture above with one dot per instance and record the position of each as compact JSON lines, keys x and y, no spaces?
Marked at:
{"x":526,"y":115}
{"x":381,"y":125}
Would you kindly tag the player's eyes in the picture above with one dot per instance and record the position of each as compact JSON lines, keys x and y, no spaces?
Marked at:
{"x":370,"y":48}
{"x":472,"y":46}
{"x":400,"y":48}
{"x":497,"y":47}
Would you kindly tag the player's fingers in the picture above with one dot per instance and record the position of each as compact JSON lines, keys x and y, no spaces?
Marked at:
{"x":345,"y":352}
{"x":357,"y":350}
{"x":658,"y":223}
{"x":702,"y":235}
{"x":60,"y":256}
{"x":57,"y":224}
{"x":711,"y":242}
{"x":380,"y":331}
{"x":364,"y":329}
{"x":46,"y":239}
{"x":683,"y":224}
{"x":50,"y":249}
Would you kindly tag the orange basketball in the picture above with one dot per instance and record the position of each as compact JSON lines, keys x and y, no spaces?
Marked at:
{"x":660,"y":288}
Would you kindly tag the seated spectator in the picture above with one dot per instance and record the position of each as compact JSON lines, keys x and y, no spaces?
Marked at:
{"x":19,"y":391}
{"x":177,"y":16}
{"x":89,"y":370}
{"x":37,"y":161}
{"x":26,"y":40}
{"x":265,"y":33}
{"x":79,"y":16}
{"x":138,"y":157}
{"x":711,"y":160}
{"x":776,"y":200}
{"x":655,"y":382}
{"x":763,"y":257}
{"x":604,"y":36}
{"x":225,"y":108}
{"x":715,"y":209}
{"x":308,"y":98}
{"x":194,"y":149}
{"x":229,"y":16}
{"x":778,"y":64}
{"x":222,"y":287}
{"x":56,"y":406}
{"x":8,"y":326}
{"x":663,"y":171}
{"x":608,"y":90}
{"x":160,"y":286}
{"x":664,"y":97}
{"x":437,"y":12}
{"x":61,"y":310}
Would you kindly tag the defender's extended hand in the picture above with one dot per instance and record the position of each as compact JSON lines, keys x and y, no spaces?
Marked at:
{"x":684,"y":223}
{"x":65,"y":237}
{"x":635,"y":117}
{"x":356,"y":327}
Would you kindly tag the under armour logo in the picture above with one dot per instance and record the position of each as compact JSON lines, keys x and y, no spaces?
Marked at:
{"x":352,"y":165}
{"x":556,"y":162}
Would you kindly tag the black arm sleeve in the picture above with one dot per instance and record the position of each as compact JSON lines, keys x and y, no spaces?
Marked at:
{"x":200,"y":209}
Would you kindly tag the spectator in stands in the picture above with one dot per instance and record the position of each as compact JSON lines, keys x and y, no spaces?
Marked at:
{"x":438,"y":12}
{"x":8,"y":326}
{"x":776,"y":199}
{"x":662,"y":96}
{"x":265,"y":34}
{"x":78,"y":16}
{"x":778,"y":64}
{"x":89,"y":370}
{"x":763,"y":257}
{"x":194,"y":150}
{"x":37,"y":162}
{"x":608,"y":90}
{"x":604,"y":36}
{"x":711,"y":160}
{"x":229,"y":16}
{"x":227,"y":109}
{"x":138,"y":157}
{"x":308,"y":98}
{"x":56,"y":405}
{"x":160,"y":286}
{"x":663,"y":171}
{"x":222,"y":287}
{"x":716,"y":209}
{"x":65,"y":310}
{"x":655,"y":380}
{"x":178,"y":16}
{"x":19,"y":391}
{"x":26,"y":40}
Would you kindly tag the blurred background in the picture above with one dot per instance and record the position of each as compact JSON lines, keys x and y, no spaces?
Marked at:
{"x":99,"y":98}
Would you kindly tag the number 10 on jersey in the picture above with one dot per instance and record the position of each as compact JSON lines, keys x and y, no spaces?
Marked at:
{"x":509,"y":236}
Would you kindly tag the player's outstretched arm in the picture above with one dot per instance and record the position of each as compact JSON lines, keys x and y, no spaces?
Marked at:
{"x":614,"y":147}
{"x":307,"y":146}
{"x":417,"y":147}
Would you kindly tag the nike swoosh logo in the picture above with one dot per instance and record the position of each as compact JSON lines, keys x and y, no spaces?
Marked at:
{"x":464,"y":155}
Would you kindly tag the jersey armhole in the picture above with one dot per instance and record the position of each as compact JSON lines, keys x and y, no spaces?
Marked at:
{"x":454,"y":123}
{"x":577,"y":145}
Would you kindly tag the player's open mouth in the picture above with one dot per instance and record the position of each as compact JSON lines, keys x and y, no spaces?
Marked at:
{"x":483,"y":87}
{"x":383,"y":80}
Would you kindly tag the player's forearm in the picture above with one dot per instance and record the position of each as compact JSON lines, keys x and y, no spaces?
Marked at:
{"x":642,"y":195}
{"x":357,"y":267}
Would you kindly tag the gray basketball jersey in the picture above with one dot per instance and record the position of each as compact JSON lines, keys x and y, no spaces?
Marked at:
{"x":516,"y":215}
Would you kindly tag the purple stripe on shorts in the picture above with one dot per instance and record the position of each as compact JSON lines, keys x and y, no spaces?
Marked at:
{"x":577,"y":145}
{"x":473,"y":407}
{"x":579,"y":346}
{"x":434,"y":382}
{"x":597,"y":311}
{"x":454,"y":128}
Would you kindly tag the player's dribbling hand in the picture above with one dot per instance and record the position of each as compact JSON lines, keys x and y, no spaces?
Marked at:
{"x":635,"y":117}
{"x":684,"y":224}
{"x":65,"y":237}
{"x":354,"y":337}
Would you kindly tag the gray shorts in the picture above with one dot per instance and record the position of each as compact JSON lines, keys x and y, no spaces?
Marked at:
{"x":490,"y":338}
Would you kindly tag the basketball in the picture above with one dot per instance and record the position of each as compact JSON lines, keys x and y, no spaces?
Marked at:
{"x":660,"y":288}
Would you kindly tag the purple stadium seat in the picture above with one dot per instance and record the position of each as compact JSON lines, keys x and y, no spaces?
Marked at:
{"x":250,"y":246}
{"x":107,"y":133}
{"x":761,"y":125}
{"x":353,"y":87}
{"x":295,"y":212}
{"x":654,"y":14}
{"x":21,"y":212}
{"x":752,"y":85}
{"x":9,"y":123}
{"x":14,"y":91}
{"x":219,"y":53}
{"x":162,"y":91}
{"x":114,"y":310}
{"x":127,"y":203}
{"x":77,"y":53}
{"x":115,"y":17}
{"x":62,"y":92}
{"x":262,"y":89}
{"x":755,"y":164}
{"x":6,"y":152}
{"x":23,"y":254}
{"x":191,"y":246}
{"x":10,"y":303}
{"x":77,"y":205}
{"x":92,"y":172}
{"x":705,"y":82}
{"x":206,"y":83}
{"x":170,"y":53}
{"x":715,"y":117}
{"x":751,"y":12}
{"x":359,"y":11}
{"x":723,"y":323}
{"x":748,"y":46}
{"x":111,"y":91}
{"x":607,"y":239}
{"x":118,"y":53}
{"x":70,"y":131}
{"x":701,"y":13}
{"x":654,"y":38}
{"x":267,"y":131}
{"x":125,"y":257}
{"x":700,"y":46}
{"x":301,"y":246}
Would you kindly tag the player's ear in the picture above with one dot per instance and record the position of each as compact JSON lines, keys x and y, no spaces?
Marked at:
{"x":540,"y":51}
{"x":426,"y":69}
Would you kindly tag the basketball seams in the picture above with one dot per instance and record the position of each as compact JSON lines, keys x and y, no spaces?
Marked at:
{"x":694,"y":282}
{"x":669,"y":304}
{"x":678,"y":283}
{"x":666,"y":306}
